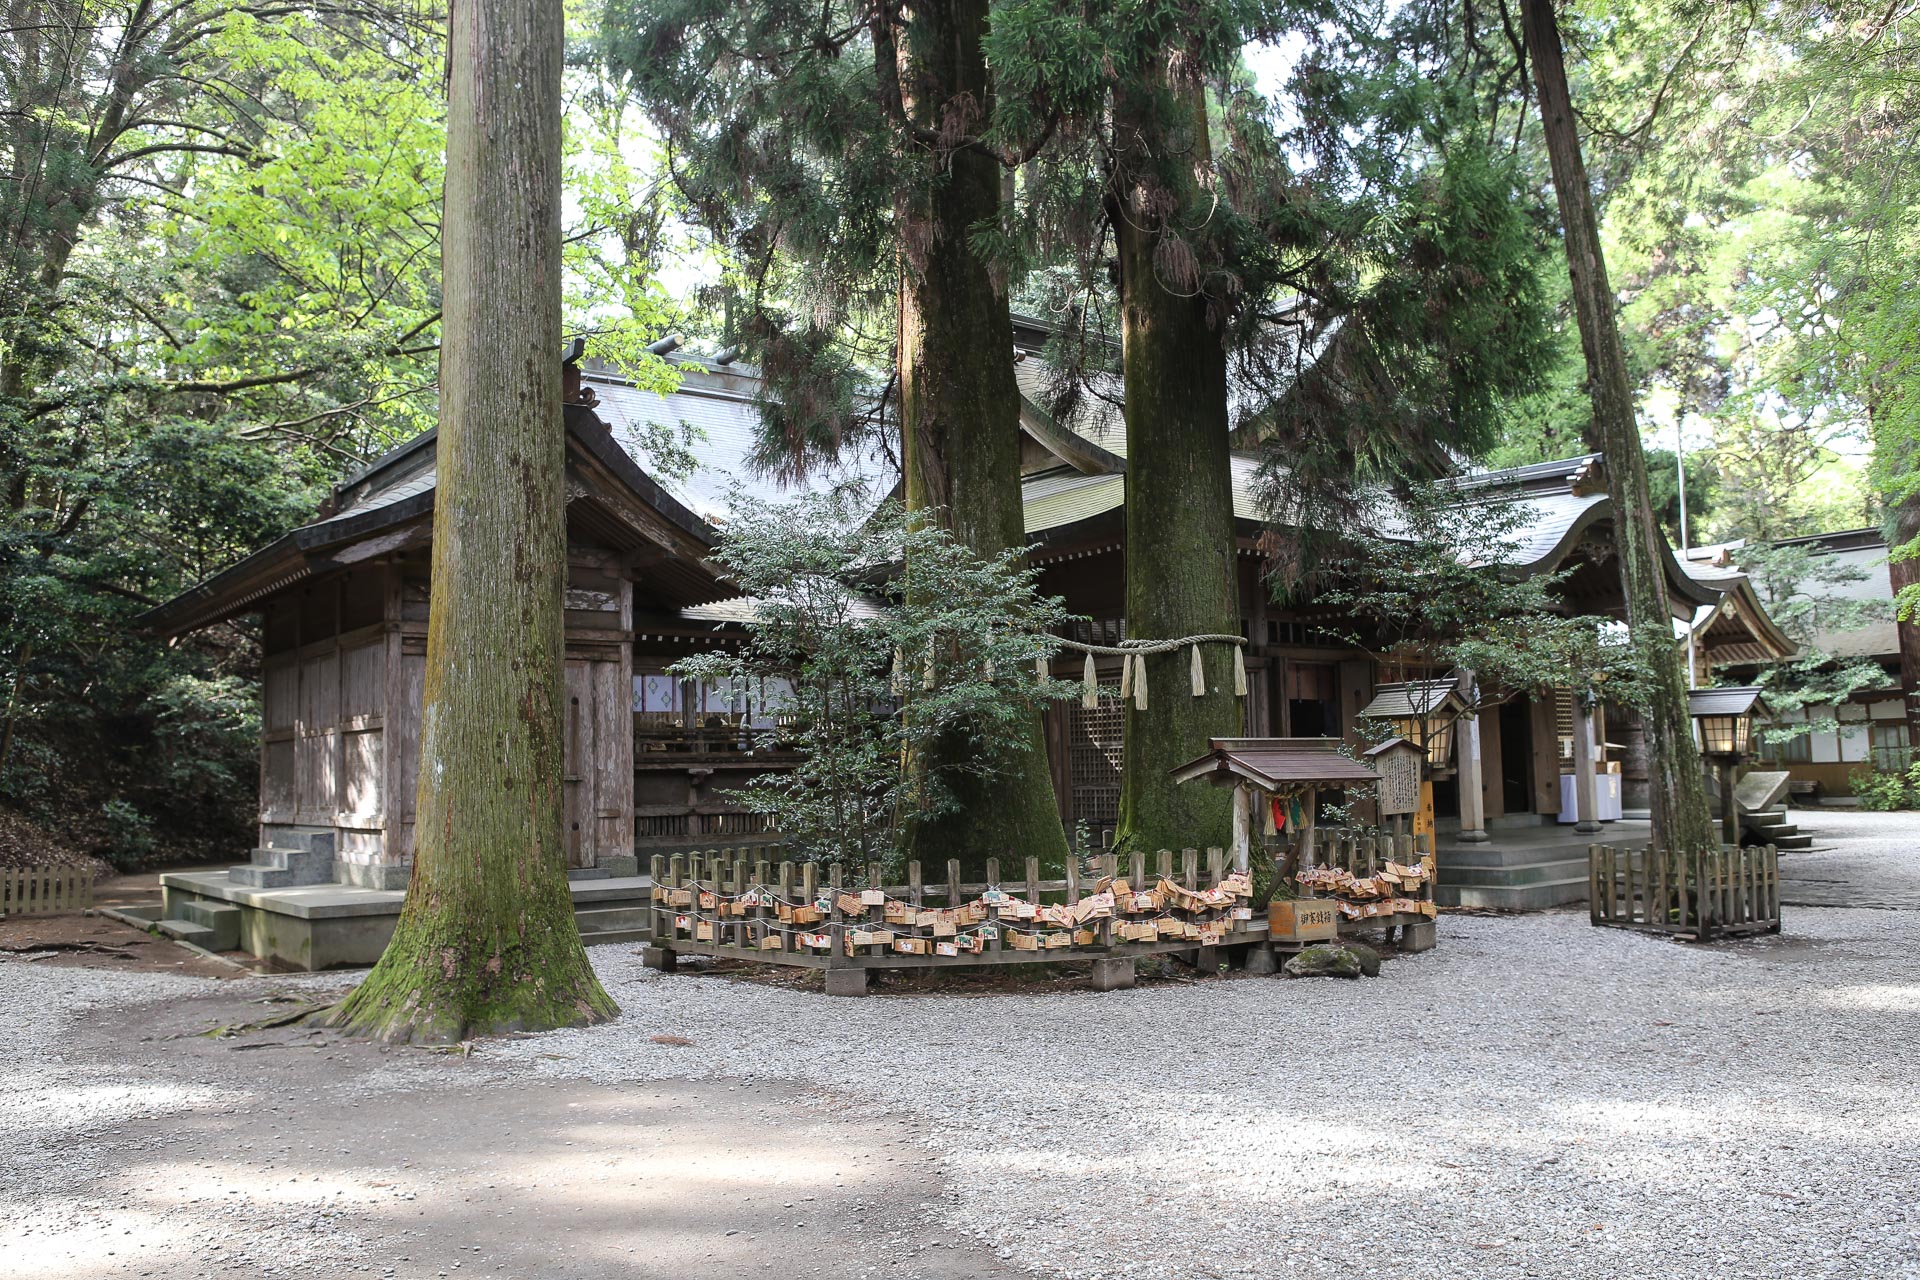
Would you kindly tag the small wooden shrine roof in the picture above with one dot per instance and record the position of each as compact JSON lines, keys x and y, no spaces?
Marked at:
{"x":1413,"y":699}
{"x":1729,"y":700}
{"x":1272,"y":763}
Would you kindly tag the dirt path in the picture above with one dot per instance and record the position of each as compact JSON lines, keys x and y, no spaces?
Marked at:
{"x":293,"y":1153}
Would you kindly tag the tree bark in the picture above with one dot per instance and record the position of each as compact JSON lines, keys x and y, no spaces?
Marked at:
{"x":1180,"y":536}
{"x":487,"y":941}
{"x":1903,"y":526}
{"x":1681,"y":818}
{"x":960,"y":408}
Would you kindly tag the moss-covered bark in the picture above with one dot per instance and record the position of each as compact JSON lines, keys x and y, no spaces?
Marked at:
{"x":1180,"y":540}
{"x":486,"y":941}
{"x":960,"y":406}
{"x":1681,"y":819}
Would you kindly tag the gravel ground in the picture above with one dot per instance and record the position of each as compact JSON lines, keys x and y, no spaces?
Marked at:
{"x":1534,"y":1098}
{"x":1870,"y":859}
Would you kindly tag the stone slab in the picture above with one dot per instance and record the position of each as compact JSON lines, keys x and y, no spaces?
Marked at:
{"x":1761,"y":789}
{"x":1110,"y":974}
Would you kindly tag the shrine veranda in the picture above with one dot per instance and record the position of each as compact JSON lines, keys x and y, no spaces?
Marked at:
{"x":1122,"y":908}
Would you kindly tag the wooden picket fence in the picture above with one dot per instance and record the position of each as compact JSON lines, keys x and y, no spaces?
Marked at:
{"x":1363,"y":852}
{"x":40,"y":891}
{"x":1701,"y":896}
{"x":723,"y":905}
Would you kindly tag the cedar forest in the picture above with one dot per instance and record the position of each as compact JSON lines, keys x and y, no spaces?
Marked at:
{"x":221,"y":292}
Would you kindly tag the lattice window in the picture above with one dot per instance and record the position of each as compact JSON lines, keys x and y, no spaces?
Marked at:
{"x":1093,"y":761}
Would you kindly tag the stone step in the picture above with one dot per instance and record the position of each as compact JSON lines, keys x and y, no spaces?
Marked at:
{"x":614,"y":919}
{"x":279,"y":868}
{"x":1538,"y":896}
{"x":577,"y":874}
{"x":302,"y":842}
{"x":187,"y":931}
{"x":1791,"y":842}
{"x":615,"y":935}
{"x":222,"y":919}
{"x":1769,"y":833}
{"x":1511,"y":876}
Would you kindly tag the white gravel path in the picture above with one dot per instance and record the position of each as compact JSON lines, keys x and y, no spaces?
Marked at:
{"x":1534,"y":1098}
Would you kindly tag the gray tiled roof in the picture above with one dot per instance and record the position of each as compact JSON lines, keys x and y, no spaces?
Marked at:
{"x":723,"y":415}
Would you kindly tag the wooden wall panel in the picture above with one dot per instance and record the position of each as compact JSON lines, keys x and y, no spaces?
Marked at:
{"x":363,"y":675}
{"x":1546,"y":757}
{"x":363,"y":769}
{"x":277,"y":796}
{"x":612,"y":758}
{"x":316,"y":778}
{"x":319,"y":693}
{"x":576,"y":731}
{"x":280,"y":695}
{"x":403,"y":739}
{"x":1492,"y":787}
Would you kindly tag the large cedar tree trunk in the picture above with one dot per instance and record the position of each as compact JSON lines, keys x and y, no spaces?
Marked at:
{"x":1903,"y":526}
{"x":1180,"y":539}
{"x":960,"y":406}
{"x":487,"y":941}
{"x":1681,"y":820}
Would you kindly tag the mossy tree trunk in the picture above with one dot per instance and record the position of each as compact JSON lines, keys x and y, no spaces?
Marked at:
{"x":487,"y":941}
{"x":1179,"y":537}
{"x":960,"y":405}
{"x":1681,"y":819}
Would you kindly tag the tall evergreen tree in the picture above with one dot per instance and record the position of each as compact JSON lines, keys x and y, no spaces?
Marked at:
{"x":1265,"y":277}
{"x":486,"y":940}
{"x":1681,"y":819}
{"x":839,"y":154}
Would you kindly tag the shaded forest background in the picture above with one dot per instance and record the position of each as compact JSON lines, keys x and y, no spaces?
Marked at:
{"x":219,"y":296}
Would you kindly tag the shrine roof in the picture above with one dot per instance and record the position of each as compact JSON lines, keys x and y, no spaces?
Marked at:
{"x":1271,"y":763}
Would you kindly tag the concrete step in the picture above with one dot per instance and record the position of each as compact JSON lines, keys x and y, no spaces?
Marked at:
{"x":273,"y":867}
{"x":615,"y":935}
{"x":222,"y":919}
{"x":187,"y":931}
{"x":1537,"y":896}
{"x":614,"y":919}
{"x":1519,"y":874}
{"x":616,"y":891}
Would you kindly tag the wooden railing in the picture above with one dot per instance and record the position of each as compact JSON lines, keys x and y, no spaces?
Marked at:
{"x":1724,"y":893}
{"x":39,"y":891}
{"x":840,"y":917}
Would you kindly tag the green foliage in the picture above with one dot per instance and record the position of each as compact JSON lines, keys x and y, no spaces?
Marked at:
{"x":863,"y":686}
{"x":1880,"y":792}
